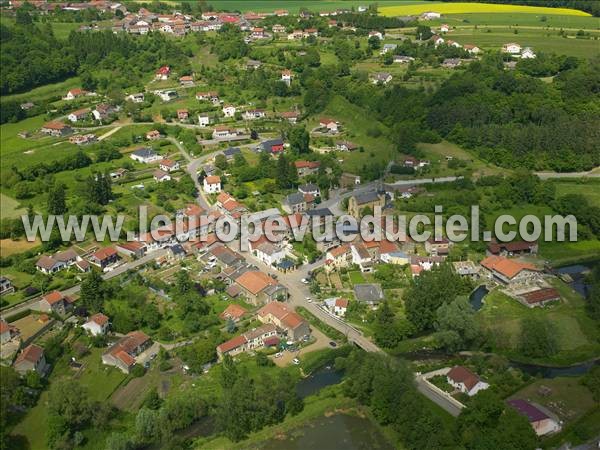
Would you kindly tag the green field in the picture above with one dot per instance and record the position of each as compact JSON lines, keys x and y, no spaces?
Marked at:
{"x":293,"y":6}
{"x":567,"y":398}
{"x":464,"y":7}
{"x":553,"y":21}
{"x":540,"y":40}
{"x":577,"y":333}
{"x":9,"y":207}
{"x":589,"y":188}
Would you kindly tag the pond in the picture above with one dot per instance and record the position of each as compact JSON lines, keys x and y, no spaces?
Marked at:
{"x":337,"y":431}
{"x":577,"y":272}
{"x":476,"y":297}
{"x":326,"y":376}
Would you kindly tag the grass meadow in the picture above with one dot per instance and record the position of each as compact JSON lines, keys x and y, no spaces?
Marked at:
{"x":462,"y":8}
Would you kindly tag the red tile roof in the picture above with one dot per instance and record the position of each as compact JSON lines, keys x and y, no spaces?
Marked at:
{"x":31,"y":353}
{"x":506,"y":267}
{"x":54,"y":297}
{"x":99,"y":318}
{"x":541,"y":295}
{"x":233,"y":311}
{"x":232,"y":344}
{"x":104,"y":253}
{"x":254,"y":281}
{"x":460,"y":374}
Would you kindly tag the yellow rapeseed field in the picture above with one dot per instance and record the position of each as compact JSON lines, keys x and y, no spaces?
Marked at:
{"x":464,"y":8}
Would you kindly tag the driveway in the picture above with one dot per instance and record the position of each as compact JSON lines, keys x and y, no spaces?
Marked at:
{"x":321,"y":342}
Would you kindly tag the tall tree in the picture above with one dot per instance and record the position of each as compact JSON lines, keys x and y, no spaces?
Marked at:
{"x":57,"y":204}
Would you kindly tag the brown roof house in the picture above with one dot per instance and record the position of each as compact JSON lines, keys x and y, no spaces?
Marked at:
{"x":104,"y":257}
{"x":465,"y":381}
{"x":97,"y":325}
{"x":233,"y":312}
{"x":122,"y":354}
{"x":253,"y":339}
{"x":292,"y":324}
{"x":31,"y":358}
{"x":258,"y":287}
{"x":55,"y":302}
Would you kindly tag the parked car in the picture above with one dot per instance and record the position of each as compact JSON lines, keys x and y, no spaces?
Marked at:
{"x":278,"y":355}
{"x":296,"y":361}
{"x":333,"y":344}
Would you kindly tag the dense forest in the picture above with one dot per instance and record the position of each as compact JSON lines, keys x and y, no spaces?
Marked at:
{"x":590,"y":6}
{"x":31,"y":56}
{"x":510,"y":118}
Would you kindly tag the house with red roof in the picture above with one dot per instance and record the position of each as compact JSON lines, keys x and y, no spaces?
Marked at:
{"x":330,"y":124}
{"x":7,"y":332}
{"x":124,"y":352}
{"x":212,"y":184}
{"x":56,"y":129}
{"x":254,"y":339}
{"x":233,"y":312}
{"x":31,"y":359}
{"x":306,"y":168}
{"x":163,"y":73}
{"x":258,"y":287}
{"x":279,"y":314}
{"x":168,"y":165}
{"x":97,"y":325}
{"x":508,"y":271}
{"x":132,"y":249}
{"x":337,"y":306}
{"x":75,"y":93}
{"x":465,"y":381}
{"x":55,"y":302}
{"x":104,"y":257}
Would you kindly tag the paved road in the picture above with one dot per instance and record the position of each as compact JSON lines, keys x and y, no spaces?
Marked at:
{"x":424,"y":388}
{"x":32,"y":304}
{"x":594,"y":173}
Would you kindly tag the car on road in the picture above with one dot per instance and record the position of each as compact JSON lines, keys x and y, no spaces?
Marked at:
{"x":278,"y":355}
{"x":332,"y":344}
{"x":304,"y":280}
{"x":296,"y":361}
{"x":308,"y":299}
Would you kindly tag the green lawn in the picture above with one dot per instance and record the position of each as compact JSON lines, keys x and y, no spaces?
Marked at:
{"x":293,"y":6}
{"x":568,"y":398}
{"x":540,"y":40}
{"x":356,"y":277}
{"x":554,"y":21}
{"x":99,"y":380}
{"x":10,"y":208}
{"x":45,"y":92}
{"x":589,"y":188}
{"x":577,"y":334}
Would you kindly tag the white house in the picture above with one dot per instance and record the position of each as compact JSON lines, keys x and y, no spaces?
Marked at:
{"x":331,"y":124}
{"x":166,"y":96}
{"x":203,"y":120}
{"x":286,"y":76}
{"x":528,"y":53}
{"x":80,"y":114}
{"x":161,"y":176}
{"x":437,"y":40}
{"x":337,"y":306}
{"x":97,"y":325}
{"x":269,"y":253}
{"x":212,"y":184}
{"x":136,"y":98}
{"x":169,"y":165}
{"x":376,"y":34}
{"x":472,"y":49}
{"x":512,"y":48}
{"x":229,"y":110}
{"x":145,"y":155}
{"x":444,"y":28}
{"x":253,"y":114}
{"x":465,"y":381}
{"x":222,"y":132}
{"x":361,"y":257}
{"x":430,"y":15}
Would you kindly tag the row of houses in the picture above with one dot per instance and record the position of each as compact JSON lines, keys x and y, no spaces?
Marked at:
{"x":279,"y":322}
{"x":102,"y":258}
